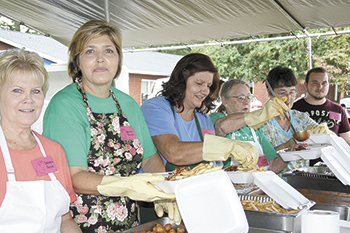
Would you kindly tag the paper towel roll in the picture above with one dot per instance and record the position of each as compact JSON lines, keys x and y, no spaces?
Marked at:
{"x":320,"y":221}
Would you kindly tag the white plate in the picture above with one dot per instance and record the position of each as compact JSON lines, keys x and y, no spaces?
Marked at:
{"x":339,"y":163}
{"x":209,"y":203}
{"x":279,"y":190}
{"x":240,"y":177}
{"x":313,"y":151}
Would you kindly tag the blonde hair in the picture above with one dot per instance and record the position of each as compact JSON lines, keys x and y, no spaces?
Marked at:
{"x":225,"y":91}
{"x":88,"y":31}
{"x":14,"y":60}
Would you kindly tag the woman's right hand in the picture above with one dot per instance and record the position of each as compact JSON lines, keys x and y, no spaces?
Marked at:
{"x":274,"y":107}
{"x":136,"y":187}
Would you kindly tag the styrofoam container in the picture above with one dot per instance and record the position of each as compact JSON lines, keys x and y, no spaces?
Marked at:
{"x":312,"y":152}
{"x":279,"y":190}
{"x":240,"y":177}
{"x":340,"y":145}
{"x":318,"y":139}
{"x":339,"y":163}
{"x":167,"y":186}
{"x":209,"y":203}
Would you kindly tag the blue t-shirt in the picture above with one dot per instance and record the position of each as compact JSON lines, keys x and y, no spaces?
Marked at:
{"x":162,"y":120}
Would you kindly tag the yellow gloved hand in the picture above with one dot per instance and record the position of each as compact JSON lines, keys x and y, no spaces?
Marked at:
{"x":274,"y":107}
{"x":170,"y":207}
{"x":135,"y":187}
{"x":217,"y":148}
{"x":319,"y":129}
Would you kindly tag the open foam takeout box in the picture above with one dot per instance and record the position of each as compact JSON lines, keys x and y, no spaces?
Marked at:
{"x":336,"y":156}
{"x":280,"y":191}
{"x":316,"y":143}
{"x":333,"y":150}
{"x":208,"y":203}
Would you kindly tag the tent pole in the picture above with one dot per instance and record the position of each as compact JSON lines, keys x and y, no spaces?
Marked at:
{"x":107,"y":10}
{"x":309,"y":47}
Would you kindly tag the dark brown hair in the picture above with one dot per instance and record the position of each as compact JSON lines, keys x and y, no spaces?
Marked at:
{"x":315,"y":70}
{"x":281,"y":77}
{"x":174,"y":90}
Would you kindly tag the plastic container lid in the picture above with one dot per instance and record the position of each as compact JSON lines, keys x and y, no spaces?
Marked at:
{"x":167,"y":186}
{"x":279,"y":190}
{"x":240,"y":177}
{"x":209,"y":203}
{"x":339,"y":163}
{"x":336,"y":156}
{"x":319,"y":139}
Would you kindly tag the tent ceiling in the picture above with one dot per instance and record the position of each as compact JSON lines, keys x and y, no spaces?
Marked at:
{"x":162,"y":22}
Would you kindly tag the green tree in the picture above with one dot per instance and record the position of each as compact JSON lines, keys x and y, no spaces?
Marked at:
{"x":333,"y":53}
{"x":252,"y":61}
{"x":15,"y":26}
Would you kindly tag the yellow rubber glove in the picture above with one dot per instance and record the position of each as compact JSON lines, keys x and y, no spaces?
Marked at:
{"x":217,"y":148}
{"x":274,"y":107}
{"x":319,"y":129}
{"x":170,"y":207}
{"x":135,"y":187}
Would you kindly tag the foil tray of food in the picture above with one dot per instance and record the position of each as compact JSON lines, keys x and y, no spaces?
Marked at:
{"x":264,"y":213}
{"x":315,"y":178}
{"x":159,"y":223}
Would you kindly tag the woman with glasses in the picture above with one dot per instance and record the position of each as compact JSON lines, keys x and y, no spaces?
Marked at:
{"x":278,"y":130}
{"x":236,"y":98}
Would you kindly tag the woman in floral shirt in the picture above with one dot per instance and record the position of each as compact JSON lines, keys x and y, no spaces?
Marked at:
{"x":104,"y":135}
{"x":278,"y":130}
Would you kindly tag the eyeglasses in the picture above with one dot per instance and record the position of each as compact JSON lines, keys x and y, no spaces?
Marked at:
{"x":284,"y":93}
{"x":242,"y":98}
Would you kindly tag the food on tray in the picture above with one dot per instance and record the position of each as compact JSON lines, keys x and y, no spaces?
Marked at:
{"x":183,"y":172}
{"x":299,"y":147}
{"x":158,"y":228}
{"x":269,"y":206}
{"x":238,"y":168}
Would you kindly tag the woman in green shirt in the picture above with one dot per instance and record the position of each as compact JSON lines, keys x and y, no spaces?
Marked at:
{"x":236,"y":98}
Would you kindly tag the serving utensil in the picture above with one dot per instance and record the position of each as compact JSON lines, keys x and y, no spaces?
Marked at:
{"x":298,"y":135}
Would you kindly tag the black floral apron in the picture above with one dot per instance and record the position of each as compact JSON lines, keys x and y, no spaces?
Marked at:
{"x":108,"y":155}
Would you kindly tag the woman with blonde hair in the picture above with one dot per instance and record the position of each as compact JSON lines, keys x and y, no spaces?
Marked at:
{"x":35,"y":183}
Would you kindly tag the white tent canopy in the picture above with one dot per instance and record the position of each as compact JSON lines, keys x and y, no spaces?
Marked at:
{"x":146,"y":23}
{"x":162,"y":22}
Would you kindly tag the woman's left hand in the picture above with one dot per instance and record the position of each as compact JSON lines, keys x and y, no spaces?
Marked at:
{"x":291,"y":144}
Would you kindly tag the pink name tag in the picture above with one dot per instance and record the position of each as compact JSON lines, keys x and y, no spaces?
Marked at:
{"x":44,"y":166}
{"x":262,"y":161}
{"x":207,"y":131}
{"x":127,"y":133}
{"x":335,"y":116}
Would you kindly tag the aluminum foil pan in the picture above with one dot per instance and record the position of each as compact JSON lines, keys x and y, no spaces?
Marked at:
{"x":149,"y":225}
{"x":315,"y":178}
{"x":277,"y":222}
{"x":265,"y":198}
{"x":317,"y":172}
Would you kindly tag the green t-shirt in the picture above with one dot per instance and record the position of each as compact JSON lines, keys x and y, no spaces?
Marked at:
{"x":66,"y":122}
{"x":245,"y":134}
